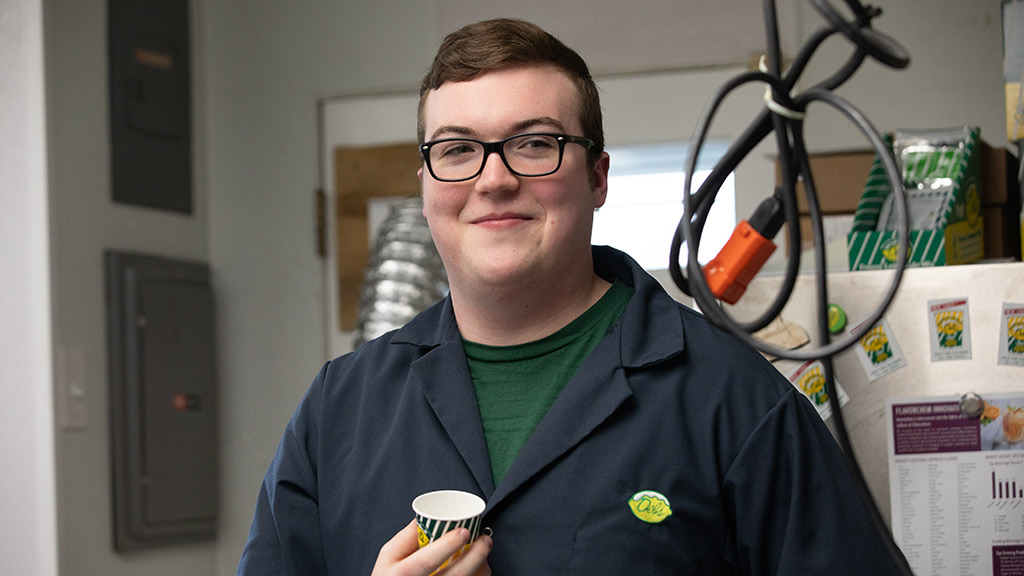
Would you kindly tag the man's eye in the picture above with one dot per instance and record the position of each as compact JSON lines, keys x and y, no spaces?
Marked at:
{"x":536,"y":143}
{"x":457,"y":149}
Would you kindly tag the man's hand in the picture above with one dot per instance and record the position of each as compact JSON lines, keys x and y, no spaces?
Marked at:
{"x":402,"y":556}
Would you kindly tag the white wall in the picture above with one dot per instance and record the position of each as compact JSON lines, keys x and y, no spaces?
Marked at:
{"x":955,"y":76}
{"x":260,"y":71}
{"x":28,"y":523}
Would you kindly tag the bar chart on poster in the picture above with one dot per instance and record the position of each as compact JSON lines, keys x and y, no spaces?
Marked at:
{"x":1005,"y":490}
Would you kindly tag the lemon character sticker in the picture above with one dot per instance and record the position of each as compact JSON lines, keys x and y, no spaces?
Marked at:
{"x":812,"y":383}
{"x":1015,"y":338}
{"x":876,"y":345}
{"x":950,"y":329}
{"x":650,"y":506}
{"x":973,"y":205}
{"x":890,"y":249}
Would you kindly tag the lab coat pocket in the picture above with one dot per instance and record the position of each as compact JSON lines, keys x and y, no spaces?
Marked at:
{"x":634,"y":537}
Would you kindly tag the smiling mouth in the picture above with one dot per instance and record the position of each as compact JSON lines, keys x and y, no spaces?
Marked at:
{"x":500,"y":220}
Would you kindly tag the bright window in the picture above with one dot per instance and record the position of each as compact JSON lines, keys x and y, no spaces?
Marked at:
{"x":645,"y":203}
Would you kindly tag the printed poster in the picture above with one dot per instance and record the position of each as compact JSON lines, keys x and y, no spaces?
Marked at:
{"x":957,"y":485}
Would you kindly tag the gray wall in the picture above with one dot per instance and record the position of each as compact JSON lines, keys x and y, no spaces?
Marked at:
{"x":273,"y":62}
{"x":85,"y":223}
{"x":261,"y":70}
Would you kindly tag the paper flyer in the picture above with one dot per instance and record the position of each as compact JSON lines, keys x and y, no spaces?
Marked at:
{"x":957,"y":485}
{"x":809,"y":379}
{"x":1011,"y":327}
{"x":949,"y":329}
{"x":878,"y":351}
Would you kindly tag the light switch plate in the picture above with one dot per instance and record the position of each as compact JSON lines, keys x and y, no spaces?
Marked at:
{"x":73,"y":407}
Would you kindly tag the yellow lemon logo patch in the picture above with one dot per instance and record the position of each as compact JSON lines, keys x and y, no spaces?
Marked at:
{"x":650,"y":506}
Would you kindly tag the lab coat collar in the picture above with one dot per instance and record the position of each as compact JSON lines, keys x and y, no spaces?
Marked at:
{"x":651,"y":330}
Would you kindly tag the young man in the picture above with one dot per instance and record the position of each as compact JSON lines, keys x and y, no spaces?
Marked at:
{"x":610,"y":430}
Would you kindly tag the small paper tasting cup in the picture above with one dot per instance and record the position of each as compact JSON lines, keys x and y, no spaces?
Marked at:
{"x":440,"y":512}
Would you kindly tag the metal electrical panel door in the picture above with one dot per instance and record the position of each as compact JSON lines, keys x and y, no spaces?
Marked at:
{"x":163,"y":393}
{"x":150,"y":108}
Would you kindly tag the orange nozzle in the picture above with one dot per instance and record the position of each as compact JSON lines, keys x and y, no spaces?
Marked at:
{"x":738,"y":262}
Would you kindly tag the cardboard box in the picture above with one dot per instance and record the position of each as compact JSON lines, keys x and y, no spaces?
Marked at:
{"x":995,"y":232}
{"x":838,"y":179}
{"x":1000,"y":200}
{"x":998,"y":176}
{"x":1002,"y":238}
{"x":958,"y":234}
{"x":836,"y":226}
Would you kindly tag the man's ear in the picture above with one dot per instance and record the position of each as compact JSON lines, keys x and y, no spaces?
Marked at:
{"x":599,"y":176}
{"x":419,"y":176}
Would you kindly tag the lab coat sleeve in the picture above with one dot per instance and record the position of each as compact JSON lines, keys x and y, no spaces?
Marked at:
{"x":794,"y":504}
{"x":284,"y":538}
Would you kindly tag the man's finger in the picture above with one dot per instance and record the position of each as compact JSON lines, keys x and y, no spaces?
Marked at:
{"x":431,"y":556}
{"x":401,"y":545}
{"x":473,"y":561}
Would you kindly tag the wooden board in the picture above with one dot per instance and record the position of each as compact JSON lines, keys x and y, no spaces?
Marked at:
{"x":360,"y":175}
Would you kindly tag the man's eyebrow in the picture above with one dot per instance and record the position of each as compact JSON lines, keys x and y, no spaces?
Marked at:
{"x":539,"y":121}
{"x":454,"y":130}
{"x":450,"y":130}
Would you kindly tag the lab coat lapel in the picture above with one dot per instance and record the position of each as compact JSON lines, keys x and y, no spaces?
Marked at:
{"x":591,"y":397}
{"x":648,"y":332}
{"x":444,"y":379}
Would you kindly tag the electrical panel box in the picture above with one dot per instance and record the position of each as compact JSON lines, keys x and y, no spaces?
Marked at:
{"x":163,"y":400}
{"x":150,"y":108}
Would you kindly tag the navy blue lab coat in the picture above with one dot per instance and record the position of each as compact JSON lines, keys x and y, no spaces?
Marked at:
{"x":666,"y":402}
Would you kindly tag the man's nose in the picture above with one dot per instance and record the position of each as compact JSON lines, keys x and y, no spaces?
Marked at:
{"x":496,"y":176}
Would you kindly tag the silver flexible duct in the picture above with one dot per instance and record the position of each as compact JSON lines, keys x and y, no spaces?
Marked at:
{"x":404,"y":276}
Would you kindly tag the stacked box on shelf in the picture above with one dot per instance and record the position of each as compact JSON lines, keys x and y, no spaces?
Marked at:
{"x":954,"y":232}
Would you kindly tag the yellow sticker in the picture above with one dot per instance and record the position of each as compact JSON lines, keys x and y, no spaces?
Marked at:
{"x":650,"y":506}
{"x":890,"y":249}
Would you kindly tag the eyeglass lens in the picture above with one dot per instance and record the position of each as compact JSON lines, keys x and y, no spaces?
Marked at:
{"x":526,"y":155}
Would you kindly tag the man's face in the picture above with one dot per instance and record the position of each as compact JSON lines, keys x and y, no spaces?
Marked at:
{"x":499,"y":228}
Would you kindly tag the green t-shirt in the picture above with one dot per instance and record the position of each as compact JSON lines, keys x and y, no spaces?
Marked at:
{"x":515,"y":385}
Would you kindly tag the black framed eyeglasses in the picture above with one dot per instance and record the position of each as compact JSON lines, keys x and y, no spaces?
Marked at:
{"x":533,"y":154}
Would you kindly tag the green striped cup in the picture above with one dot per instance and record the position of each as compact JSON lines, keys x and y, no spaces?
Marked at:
{"x":442,"y":511}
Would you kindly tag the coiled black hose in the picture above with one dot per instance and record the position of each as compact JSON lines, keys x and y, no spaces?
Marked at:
{"x":784,"y":116}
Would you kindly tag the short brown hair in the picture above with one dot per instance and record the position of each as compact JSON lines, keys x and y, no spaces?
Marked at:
{"x":502,"y":43}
